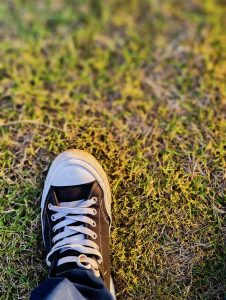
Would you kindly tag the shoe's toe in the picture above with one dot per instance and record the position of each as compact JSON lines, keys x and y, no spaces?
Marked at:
{"x":72,"y":175}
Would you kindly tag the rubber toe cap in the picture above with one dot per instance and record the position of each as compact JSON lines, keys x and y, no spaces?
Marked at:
{"x":72,"y":175}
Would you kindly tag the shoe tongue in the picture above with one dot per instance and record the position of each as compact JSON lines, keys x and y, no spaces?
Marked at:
{"x":73,"y":193}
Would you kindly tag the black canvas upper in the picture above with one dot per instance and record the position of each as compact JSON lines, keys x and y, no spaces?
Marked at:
{"x":58,"y":195}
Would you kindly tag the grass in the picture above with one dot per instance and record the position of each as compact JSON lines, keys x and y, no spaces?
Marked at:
{"x":142,"y":86}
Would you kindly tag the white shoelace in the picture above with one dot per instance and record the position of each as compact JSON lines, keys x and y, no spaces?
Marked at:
{"x":75,"y":237}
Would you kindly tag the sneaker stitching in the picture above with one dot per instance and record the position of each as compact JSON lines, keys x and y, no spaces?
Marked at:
{"x":49,"y":227}
{"x":100,"y":229}
{"x":103,"y":211}
{"x":107,"y":221}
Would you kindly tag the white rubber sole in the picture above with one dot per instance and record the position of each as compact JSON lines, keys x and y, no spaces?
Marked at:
{"x":112,"y":288}
{"x":87,"y":161}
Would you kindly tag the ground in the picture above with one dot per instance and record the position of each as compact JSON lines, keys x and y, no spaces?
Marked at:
{"x":142,"y":86}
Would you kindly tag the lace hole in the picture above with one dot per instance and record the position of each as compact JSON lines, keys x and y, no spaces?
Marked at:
{"x":94,"y":224}
{"x":53,"y":218}
{"x":95,"y":199}
{"x":94,"y":211}
{"x":49,"y":206}
{"x":94,"y":236}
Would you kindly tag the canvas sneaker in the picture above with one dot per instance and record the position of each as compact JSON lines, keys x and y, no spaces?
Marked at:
{"x":76,"y":216}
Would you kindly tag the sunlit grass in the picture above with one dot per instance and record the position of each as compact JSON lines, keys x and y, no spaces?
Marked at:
{"x":142,"y":86}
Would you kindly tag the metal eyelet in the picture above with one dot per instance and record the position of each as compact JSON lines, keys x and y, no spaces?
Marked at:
{"x":53,"y":218}
{"x":95,"y":236}
{"x":94,"y":224}
{"x":95,"y":199}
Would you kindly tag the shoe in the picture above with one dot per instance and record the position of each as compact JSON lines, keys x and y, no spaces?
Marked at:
{"x":76,"y":216}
